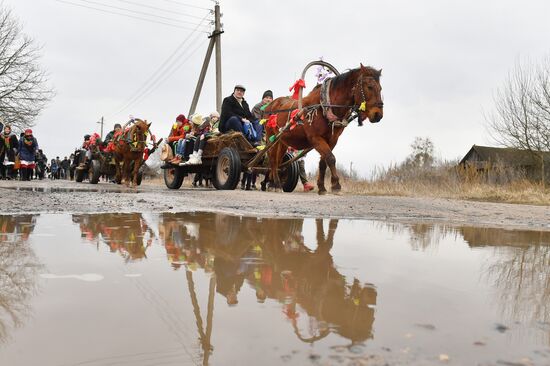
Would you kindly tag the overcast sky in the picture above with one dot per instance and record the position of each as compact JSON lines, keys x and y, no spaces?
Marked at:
{"x":441,"y":60}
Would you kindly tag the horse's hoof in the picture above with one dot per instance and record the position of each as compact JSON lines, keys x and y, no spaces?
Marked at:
{"x":322,"y":192}
{"x":336,"y":192}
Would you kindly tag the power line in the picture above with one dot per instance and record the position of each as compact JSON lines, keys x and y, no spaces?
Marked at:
{"x":127,"y":15}
{"x":161,"y":9}
{"x":161,"y":78}
{"x":185,"y":4}
{"x":153,"y":79}
{"x":135,"y":11}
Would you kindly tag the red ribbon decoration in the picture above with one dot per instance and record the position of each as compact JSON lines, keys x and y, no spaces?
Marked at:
{"x":272,"y":121}
{"x":299,"y":84}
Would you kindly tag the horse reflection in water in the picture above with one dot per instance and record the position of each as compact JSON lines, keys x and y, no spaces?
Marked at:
{"x":271,"y":257}
{"x":126,"y":233}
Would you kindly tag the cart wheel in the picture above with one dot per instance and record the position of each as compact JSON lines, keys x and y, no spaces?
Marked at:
{"x":173,"y":178}
{"x":94,"y":172}
{"x":290,"y":174}
{"x":228,"y":169}
{"x":79,"y":175}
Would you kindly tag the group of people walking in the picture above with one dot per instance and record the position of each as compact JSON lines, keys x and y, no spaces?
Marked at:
{"x":21,"y":158}
{"x":18,"y":155}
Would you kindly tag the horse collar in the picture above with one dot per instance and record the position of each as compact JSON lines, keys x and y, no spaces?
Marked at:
{"x":325,"y":101}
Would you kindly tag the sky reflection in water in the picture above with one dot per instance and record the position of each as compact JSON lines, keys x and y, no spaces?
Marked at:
{"x":211,"y":288}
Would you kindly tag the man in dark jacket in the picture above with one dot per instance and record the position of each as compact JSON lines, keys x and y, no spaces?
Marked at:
{"x":236,"y":116}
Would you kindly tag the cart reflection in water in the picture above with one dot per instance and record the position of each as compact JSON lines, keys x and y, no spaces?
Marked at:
{"x":270,"y":256}
{"x":125,"y":233}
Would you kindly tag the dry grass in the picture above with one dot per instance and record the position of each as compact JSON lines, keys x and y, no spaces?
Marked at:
{"x":446,"y":181}
{"x":443,"y":181}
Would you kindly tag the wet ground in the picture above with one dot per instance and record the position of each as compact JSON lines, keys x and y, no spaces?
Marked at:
{"x":71,"y":197}
{"x":208,"y":288}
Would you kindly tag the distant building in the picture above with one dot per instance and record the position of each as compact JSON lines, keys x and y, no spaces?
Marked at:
{"x":485,"y":158}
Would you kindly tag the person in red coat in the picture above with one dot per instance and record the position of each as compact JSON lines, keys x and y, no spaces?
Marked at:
{"x":177,"y":135}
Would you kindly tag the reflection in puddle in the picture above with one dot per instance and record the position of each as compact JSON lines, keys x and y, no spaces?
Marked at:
{"x":242,"y":290}
{"x":18,"y":269}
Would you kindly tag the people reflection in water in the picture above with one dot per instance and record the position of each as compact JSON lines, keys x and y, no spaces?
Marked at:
{"x":125,"y":233}
{"x":18,"y":270}
{"x":271,"y":257}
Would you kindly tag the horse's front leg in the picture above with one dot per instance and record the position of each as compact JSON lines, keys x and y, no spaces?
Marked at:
{"x":118,"y":172}
{"x":126,"y":172}
{"x":137,"y":165}
{"x":331,"y":162}
{"x":321,"y":176}
{"x":327,"y":159}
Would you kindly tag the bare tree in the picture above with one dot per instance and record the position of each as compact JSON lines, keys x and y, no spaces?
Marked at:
{"x":422,"y":155}
{"x":521,"y":118}
{"x":24,"y":90}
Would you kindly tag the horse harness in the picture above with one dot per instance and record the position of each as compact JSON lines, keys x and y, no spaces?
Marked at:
{"x":311,"y":111}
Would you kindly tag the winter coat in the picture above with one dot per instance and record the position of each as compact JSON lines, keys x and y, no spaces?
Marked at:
{"x":231,"y":107}
{"x":10,"y":147}
{"x":179,"y":132}
{"x":28,"y":152}
{"x":257,"y":111}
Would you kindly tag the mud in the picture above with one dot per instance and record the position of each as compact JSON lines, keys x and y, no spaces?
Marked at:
{"x":64,"y":196}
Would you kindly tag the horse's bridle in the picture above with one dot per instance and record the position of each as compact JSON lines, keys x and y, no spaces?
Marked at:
{"x":353,"y":110}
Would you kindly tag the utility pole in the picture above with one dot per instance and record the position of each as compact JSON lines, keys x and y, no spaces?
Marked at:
{"x":215,"y":40}
{"x":101,"y":124}
{"x":217,"y":30}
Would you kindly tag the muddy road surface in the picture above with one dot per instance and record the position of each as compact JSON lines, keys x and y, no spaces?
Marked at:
{"x":66,"y":196}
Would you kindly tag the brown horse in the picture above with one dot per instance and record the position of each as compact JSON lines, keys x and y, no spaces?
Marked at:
{"x":323,"y":119}
{"x":129,"y":147}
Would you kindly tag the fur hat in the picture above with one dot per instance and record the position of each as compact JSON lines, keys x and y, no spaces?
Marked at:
{"x":197,"y":119}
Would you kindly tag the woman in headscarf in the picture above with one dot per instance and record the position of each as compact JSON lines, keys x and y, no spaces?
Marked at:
{"x":28,"y":147}
{"x":8,"y":148}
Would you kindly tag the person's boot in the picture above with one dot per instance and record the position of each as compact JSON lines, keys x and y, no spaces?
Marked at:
{"x":308,"y":187}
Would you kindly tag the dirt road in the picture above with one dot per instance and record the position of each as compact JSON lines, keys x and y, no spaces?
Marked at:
{"x":64,"y":196}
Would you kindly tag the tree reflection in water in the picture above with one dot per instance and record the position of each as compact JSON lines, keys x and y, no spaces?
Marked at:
{"x":518,"y":269}
{"x":18,"y":270}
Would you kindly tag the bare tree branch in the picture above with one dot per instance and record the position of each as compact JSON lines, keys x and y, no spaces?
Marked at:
{"x":24,"y":90}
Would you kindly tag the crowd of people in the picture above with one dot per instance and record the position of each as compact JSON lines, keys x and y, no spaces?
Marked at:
{"x":21,"y":158}
{"x":189,"y":136}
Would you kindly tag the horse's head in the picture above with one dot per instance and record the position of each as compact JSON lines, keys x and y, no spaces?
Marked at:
{"x":367,"y":94}
{"x":138,"y":133}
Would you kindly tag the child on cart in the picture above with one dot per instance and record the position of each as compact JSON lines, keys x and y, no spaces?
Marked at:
{"x":203,"y":130}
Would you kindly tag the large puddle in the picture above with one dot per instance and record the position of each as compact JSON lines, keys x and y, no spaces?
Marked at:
{"x":205,"y":288}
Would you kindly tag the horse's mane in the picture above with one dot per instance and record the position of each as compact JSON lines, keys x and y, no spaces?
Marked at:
{"x":344,"y":77}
